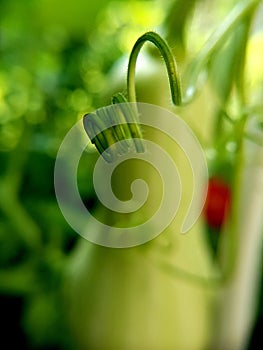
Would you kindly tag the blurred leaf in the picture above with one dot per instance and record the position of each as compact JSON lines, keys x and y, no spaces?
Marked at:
{"x":176,"y":22}
{"x":227,"y":64}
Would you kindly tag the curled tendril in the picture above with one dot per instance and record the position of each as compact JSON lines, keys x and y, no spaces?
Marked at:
{"x":170,"y":62}
{"x":127,"y":120}
{"x":123,"y":122}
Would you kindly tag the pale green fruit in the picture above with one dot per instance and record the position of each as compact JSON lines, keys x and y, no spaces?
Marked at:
{"x":126,"y":299}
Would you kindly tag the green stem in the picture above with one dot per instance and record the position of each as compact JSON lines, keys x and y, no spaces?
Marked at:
{"x":172,"y":70}
{"x":232,"y":234}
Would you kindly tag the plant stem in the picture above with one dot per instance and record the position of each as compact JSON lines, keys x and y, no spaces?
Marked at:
{"x":172,"y":70}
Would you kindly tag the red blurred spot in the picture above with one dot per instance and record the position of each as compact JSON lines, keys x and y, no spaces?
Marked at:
{"x":217,"y":202}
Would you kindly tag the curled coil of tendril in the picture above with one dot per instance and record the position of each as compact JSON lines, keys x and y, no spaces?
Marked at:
{"x":123,"y":120}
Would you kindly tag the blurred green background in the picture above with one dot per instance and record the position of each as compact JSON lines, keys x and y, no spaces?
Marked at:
{"x":56,"y":64}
